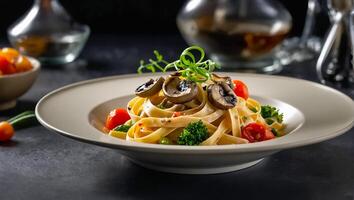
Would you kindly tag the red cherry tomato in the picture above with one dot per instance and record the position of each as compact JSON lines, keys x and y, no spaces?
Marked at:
{"x":268,"y":135}
{"x":256,"y":132}
{"x":176,"y":114}
{"x":253,"y":132}
{"x":6,"y":67}
{"x":241,"y":89}
{"x":117,"y":117}
{"x":6,"y":131}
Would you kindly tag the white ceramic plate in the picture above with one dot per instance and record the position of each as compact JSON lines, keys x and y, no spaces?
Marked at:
{"x":313,"y":113}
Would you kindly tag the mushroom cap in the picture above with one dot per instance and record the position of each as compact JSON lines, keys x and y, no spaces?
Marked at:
{"x":150,"y":88}
{"x":221,"y":96}
{"x":218,"y":79}
{"x":179,"y":91}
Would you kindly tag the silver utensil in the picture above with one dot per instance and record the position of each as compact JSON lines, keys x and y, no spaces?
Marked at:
{"x":333,"y":64}
{"x":332,"y":35}
{"x":312,"y":8}
{"x":351,"y":22}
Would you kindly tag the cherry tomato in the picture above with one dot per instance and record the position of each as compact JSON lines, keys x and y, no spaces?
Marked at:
{"x":23,"y":64}
{"x":10,"y":54}
{"x":6,"y":131}
{"x":117,"y":117}
{"x":268,"y":135}
{"x":176,"y":114}
{"x":6,"y":67}
{"x":241,"y":89}
{"x":256,"y":132}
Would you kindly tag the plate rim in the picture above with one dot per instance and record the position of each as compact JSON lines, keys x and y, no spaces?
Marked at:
{"x":194,"y":149}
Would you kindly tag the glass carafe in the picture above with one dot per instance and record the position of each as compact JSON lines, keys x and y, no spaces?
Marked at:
{"x":48,"y":33}
{"x":239,"y":34}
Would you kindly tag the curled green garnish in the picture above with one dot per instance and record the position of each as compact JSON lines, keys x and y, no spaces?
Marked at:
{"x":154,"y":64}
{"x":188,"y":65}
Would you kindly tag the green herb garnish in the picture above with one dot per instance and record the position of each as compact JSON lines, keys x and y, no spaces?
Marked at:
{"x":244,"y":118}
{"x":269,"y":121}
{"x":271,"y":112}
{"x":190,"y":68}
{"x":275,"y":132}
{"x":165,"y":140}
{"x":122,"y":128}
{"x":193,"y":134}
{"x":23,"y":120}
{"x":161,"y":106}
{"x":253,"y":109}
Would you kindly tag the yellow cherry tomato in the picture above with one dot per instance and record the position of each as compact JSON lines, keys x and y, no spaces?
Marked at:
{"x":23,"y":64}
{"x":10,"y":54}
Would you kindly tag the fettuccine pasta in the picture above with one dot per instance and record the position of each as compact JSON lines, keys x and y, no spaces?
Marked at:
{"x":194,"y":107}
{"x":153,"y":120}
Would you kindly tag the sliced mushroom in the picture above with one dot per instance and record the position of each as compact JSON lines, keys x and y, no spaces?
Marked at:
{"x":179,"y":91}
{"x":166,"y":104}
{"x":178,"y":107}
{"x":221,"y":96}
{"x":175,"y":74}
{"x":150,"y":88}
{"x":219,"y":79}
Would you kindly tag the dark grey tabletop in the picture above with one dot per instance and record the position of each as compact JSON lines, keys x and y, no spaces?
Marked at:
{"x":39,"y":164}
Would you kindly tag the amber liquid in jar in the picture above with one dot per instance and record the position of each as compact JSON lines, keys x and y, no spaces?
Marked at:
{"x":242,"y":40}
{"x":46,"y":47}
{"x":247,"y":45}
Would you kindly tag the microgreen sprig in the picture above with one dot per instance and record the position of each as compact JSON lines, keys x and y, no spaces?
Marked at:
{"x":188,"y":65}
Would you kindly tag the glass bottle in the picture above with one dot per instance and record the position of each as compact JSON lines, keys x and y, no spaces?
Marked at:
{"x":239,"y":34}
{"x":48,"y":33}
{"x":308,"y":45}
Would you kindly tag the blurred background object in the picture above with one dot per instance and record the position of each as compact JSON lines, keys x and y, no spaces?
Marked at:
{"x":307,"y":45}
{"x":48,"y":33}
{"x":335,"y":61}
{"x":140,"y":18}
{"x":238,"y":34}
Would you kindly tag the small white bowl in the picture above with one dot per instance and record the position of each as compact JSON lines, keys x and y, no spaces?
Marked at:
{"x":15,"y":85}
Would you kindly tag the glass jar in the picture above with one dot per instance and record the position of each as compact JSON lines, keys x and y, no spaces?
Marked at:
{"x":48,"y":33}
{"x":239,"y":34}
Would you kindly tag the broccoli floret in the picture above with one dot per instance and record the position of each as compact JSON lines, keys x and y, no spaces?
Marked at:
{"x":193,"y":134}
{"x":271,"y":112}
